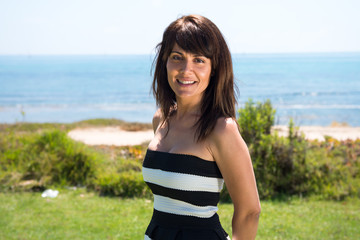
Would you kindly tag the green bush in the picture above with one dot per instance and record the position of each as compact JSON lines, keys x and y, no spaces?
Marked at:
{"x":63,"y":159}
{"x":292,"y":165}
{"x":35,"y":161}
{"x":256,"y":120}
{"x":46,"y":159}
{"x":124,"y":184}
{"x":335,"y":168}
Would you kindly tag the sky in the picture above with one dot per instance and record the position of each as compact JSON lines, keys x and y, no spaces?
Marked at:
{"x":32,"y":27}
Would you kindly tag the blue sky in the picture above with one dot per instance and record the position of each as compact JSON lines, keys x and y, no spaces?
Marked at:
{"x":135,"y":27}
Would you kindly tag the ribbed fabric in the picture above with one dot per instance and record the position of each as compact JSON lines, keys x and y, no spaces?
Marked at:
{"x":186,"y":192}
{"x":182,"y":181}
{"x":173,"y":206}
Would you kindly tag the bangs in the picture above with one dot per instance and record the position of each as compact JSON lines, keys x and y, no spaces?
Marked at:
{"x":191,"y":38}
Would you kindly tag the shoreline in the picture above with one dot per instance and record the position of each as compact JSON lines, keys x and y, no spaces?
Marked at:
{"x":340,"y":133}
{"x":116,"y":136}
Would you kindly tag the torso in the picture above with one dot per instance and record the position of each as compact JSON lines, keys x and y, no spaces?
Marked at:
{"x":186,"y":183}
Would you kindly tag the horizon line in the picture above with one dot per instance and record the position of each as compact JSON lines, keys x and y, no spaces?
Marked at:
{"x":149,"y":54}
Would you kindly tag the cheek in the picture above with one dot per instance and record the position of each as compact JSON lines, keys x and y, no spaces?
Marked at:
{"x":207,"y":77}
{"x":169,"y":69}
{"x":206,"y":74}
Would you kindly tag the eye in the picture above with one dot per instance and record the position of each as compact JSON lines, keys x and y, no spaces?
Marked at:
{"x":176,"y":57}
{"x":199,"y":60}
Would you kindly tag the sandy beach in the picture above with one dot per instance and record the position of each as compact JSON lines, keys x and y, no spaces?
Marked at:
{"x":118,"y":137}
{"x":319,"y":132}
{"x":110,"y":136}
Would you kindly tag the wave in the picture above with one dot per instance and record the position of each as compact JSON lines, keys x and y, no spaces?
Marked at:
{"x":104,"y":106}
{"x":151,"y":105}
{"x":317,"y":106}
{"x":314,"y":93}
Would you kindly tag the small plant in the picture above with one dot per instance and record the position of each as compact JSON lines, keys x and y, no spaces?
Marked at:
{"x":124,"y":184}
{"x":255,"y":120}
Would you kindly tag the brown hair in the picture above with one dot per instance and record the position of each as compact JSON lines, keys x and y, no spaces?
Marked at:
{"x":197,"y":34}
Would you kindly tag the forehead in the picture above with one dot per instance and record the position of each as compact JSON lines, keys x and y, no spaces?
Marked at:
{"x":178,"y":49}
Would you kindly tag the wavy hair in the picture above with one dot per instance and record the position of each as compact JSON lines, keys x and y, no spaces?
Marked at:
{"x":198,"y":35}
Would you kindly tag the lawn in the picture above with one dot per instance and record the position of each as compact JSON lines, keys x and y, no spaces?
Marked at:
{"x":77,"y":214}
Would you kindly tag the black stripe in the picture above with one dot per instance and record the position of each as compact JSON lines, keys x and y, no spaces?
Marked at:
{"x":197,"y":198}
{"x":171,"y":220}
{"x":181,"y":163}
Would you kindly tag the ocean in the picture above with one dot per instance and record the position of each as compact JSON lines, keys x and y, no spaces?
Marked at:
{"x":310,"y":88}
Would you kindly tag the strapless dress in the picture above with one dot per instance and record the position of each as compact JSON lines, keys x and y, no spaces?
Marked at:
{"x":186,"y":192}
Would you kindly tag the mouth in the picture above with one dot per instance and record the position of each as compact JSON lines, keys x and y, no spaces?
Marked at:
{"x":185,"y":82}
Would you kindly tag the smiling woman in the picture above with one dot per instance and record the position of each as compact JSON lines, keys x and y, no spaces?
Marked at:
{"x":196,"y":145}
{"x":199,"y":38}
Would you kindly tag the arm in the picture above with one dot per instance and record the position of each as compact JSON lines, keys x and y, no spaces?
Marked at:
{"x":232,"y":156}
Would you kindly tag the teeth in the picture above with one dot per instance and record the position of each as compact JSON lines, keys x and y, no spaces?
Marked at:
{"x":186,"y":82}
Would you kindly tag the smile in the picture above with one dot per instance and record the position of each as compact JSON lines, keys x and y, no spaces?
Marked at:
{"x":185,"y":82}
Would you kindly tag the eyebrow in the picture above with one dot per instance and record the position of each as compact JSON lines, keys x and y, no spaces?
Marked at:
{"x":177,"y":52}
{"x":195,"y":55}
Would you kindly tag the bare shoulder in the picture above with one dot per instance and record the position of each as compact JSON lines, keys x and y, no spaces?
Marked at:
{"x":226,"y":139}
{"x":225,"y":128}
{"x":224,"y":124}
{"x":157,"y":118}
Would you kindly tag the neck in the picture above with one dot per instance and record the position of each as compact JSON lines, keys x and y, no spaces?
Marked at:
{"x":187,"y":108}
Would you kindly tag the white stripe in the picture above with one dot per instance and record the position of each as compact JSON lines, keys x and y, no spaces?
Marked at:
{"x":182,"y":181}
{"x":147,"y":237}
{"x":169,"y":205}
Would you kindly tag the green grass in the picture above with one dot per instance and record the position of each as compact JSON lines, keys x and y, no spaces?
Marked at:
{"x":77,"y":214}
{"x":72,"y":215}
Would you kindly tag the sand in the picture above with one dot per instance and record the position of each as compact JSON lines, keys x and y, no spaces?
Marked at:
{"x":110,"y":136}
{"x":117,"y":137}
{"x":318,"y":132}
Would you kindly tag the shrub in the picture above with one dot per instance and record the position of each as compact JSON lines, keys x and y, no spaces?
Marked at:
{"x":124,"y":184}
{"x":256,"y":120}
{"x":277,"y":161}
{"x":62,"y":159}
{"x":278,"y":165}
{"x":291,"y":165}
{"x":49,"y":158}
{"x":335,"y":168}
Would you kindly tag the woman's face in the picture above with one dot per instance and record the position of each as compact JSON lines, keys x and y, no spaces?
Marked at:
{"x":188,"y":73}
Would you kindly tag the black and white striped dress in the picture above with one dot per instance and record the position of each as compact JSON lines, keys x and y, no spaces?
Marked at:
{"x":186,"y":192}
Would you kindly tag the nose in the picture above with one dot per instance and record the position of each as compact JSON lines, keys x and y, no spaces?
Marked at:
{"x":186,"y":66}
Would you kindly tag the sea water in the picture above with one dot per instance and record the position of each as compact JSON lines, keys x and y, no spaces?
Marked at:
{"x":312,"y":89}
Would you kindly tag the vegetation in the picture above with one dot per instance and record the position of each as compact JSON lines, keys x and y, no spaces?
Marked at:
{"x":294,"y":166}
{"x":34,"y":161}
{"x":34,"y":157}
{"x":296,"y":174}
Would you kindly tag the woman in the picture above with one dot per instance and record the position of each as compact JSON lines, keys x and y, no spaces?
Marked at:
{"x":197,"y":145}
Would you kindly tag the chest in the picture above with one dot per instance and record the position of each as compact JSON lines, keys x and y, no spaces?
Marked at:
{"x":180,"y":139}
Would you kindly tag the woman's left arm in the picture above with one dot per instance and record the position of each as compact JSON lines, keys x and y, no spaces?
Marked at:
{"x":232,"y":156}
